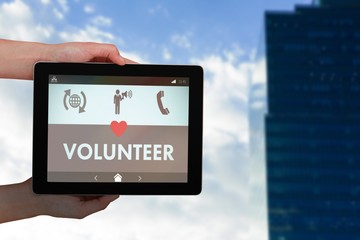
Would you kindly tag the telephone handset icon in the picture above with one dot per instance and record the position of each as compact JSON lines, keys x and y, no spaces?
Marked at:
{"x":164,"y":111}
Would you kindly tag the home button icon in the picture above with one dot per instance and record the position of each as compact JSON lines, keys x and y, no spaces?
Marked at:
{"x":118,"y":178}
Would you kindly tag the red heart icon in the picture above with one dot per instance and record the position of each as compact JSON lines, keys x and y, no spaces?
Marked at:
{"x":118,"y":128}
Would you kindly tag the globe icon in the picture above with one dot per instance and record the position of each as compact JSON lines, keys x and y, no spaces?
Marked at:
{"x":74,"y":100}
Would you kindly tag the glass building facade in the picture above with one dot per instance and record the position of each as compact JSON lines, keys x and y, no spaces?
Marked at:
{"x":313,"y":123}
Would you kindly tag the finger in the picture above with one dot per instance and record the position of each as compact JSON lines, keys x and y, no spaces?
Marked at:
{"x":108,"y":53}
{"x":129,"y":61}
{"x":118,"y":59}
{"x":96,"y":205}
{"x":101,"y":198}
{"x":108,"y":198}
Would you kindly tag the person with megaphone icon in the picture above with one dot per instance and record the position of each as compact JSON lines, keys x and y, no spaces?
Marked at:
{"x":119,"y":97}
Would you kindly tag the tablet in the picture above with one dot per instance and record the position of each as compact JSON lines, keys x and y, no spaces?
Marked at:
{"x":106,"y":129}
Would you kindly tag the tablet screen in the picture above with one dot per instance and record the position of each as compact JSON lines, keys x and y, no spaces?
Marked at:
{"x":117,"y":129}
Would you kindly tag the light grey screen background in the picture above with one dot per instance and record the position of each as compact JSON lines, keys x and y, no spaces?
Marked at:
{"x":140,"y":109}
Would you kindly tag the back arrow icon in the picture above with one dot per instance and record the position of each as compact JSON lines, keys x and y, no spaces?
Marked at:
{"x":95,"y":178}
{"x":139,"y":179}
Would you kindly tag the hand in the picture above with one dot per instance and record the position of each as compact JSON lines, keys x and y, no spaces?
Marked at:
{"x":85,"y":52}
{"x":17,"y":58}
{"x":18,"y":202}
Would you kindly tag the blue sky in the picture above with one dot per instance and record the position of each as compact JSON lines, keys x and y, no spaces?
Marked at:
{"x":221,"y":36}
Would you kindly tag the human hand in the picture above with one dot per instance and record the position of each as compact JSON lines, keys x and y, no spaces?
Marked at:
{"x":18,"y":202}
{"x":17,"y":58}
{"x":85,"y":52}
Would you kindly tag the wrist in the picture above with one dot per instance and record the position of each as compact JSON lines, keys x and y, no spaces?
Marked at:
{"x":18,"y":202}
{"x":18,"y":53}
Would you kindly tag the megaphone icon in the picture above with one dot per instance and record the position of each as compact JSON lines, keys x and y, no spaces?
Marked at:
{"x":127,"y":94}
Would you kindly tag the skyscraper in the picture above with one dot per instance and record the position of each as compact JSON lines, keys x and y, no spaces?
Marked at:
{"x":313,"y":121}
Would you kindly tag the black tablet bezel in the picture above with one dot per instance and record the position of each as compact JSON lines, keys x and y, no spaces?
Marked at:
{"x":42,"y":70}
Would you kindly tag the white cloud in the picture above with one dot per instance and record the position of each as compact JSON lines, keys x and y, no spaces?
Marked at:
{"x":45,"y":1}
{"x":166,"y":54}
{"x":89,"y":8}
{"x":58,"y":14}
{"x":137,"y":57}
{"x":101,"y":21}
{"x":16,"y":130}
{"x":59,"y":8}
{"x":17,"y":22}
{"x":259,"y":73}
{"x":63,"y":5}
{"x":181,"y":40}
{"x":258,"y":85}
{"x":158,"y":10}
{"x":89,"y":33}
{"x":234,"y":53}
{"x":225,"y":118}
{"x":92,"y":32}
{"x":143,"y":218}
{"x":257,"y":110}
{"x":226,"y":139}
